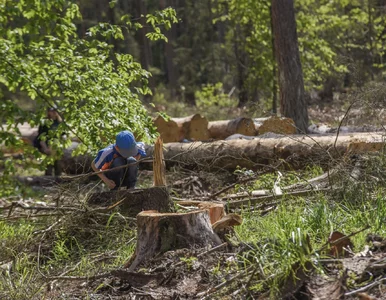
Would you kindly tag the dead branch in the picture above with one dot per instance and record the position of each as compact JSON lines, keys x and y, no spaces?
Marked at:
{"x":365,"y":288}
{"x":218,"y":287}
{"x":235,"y":204}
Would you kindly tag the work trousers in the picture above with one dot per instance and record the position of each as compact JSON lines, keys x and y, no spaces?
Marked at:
{"x":124,"y":177}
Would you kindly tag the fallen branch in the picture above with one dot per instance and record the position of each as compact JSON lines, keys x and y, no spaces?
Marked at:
{"x":235,"y":204}
{"x":365,"y":288}
{"x":216,"y":288}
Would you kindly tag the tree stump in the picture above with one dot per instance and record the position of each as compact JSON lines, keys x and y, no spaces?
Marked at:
{"x":135,"y":201}
{"x":222,"y":129}
{"x":160,"y":232}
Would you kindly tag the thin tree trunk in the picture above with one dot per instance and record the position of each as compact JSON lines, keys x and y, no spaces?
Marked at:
{"x":293,"y":103}
{"x":274,"y":69}
{"x":170,"y":54}
{"x":146,"y":54}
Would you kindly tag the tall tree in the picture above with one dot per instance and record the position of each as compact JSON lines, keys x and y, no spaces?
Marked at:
{"x":292,"y":101}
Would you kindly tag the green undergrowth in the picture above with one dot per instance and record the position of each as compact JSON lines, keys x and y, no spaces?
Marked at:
{"x":276,"y":243}
{"x":79,"y":244}
{"x":297,"y":231}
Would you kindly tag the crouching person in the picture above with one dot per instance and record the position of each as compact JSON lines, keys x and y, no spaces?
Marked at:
{"x":125,"y":151}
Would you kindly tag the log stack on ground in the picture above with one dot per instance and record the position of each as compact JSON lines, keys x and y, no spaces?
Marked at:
{"x":297,"y":150}
{"x":168,"y":130}
{"x":279,"y":125}
{"x":222,"y":129}
{"x":194,"y":127}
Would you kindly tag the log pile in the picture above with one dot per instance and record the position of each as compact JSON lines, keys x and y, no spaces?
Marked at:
{"x":220,"y":130}
{"x":275,"y":124}
{"x":296,"y":150}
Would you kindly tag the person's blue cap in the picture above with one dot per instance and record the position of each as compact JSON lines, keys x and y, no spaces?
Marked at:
{"x":127,"y":146}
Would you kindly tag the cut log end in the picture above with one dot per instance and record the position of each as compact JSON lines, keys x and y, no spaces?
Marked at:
{"x":224,"y":129}
{"x":276,"y":125}
{"x":168,"y":129}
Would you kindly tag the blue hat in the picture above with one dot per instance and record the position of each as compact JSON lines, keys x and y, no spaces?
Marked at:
{"x":127,"y":146}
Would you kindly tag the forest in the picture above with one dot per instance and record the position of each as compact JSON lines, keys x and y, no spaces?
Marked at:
{"x":259,"y":133}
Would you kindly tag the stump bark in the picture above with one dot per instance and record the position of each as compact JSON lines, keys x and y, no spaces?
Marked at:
{"x":194,"y":127}
{"x":160,"y":232}
{"x":135,"y":201}
{"x":222,"y":129}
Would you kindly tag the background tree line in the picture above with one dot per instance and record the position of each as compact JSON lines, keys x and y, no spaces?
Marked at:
{"x":341,"y":43}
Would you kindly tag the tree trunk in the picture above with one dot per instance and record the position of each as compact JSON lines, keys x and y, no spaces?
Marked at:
{"x":194,"y":127}
{"x":297,"y":150}
{"x":293,"y":103}
{"x":223,"y":129}
{"x":160,"y":232}
{"x":146,"y":54}
{"x":171,"y":70}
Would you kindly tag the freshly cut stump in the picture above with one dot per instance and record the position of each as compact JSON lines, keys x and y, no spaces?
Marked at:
{"x":132,"y":202}
{"x":160,"y":232}
{"x":222,"y":129}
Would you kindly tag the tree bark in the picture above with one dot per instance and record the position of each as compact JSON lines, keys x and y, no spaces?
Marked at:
{"x":297,"y":150}
{"x":146,"y":53}
{"x":223,"y":129}
{"x":293,"y":102}
{"x":171,"y":70}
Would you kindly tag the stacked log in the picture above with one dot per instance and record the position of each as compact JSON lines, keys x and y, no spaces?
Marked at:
{"x":222,"y":129}
{"x":168,"y":130}
{"x":279,"y":125}
{"x":296,"y":150}
{"x":194,"y":127}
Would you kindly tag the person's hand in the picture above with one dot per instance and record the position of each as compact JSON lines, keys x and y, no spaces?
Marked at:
{"x":110,"y":183}
{"x":47,"y":151}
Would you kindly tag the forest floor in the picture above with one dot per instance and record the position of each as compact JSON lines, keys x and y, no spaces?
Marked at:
{"x":327,"y":243}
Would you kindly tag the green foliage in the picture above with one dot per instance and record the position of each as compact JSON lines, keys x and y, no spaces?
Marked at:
{"x":96,"y":90}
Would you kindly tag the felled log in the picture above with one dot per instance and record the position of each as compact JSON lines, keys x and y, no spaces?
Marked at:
{"x":168,"y":130}
{"x":194,"y":127}
{"x":297,"y":150}
{"x":279,"y":125}
{"x":160,"y":232}
{"x":221,"y":129}
{"x":132,"y":202}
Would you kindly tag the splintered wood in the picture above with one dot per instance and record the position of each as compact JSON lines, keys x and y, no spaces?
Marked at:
{"x":159,"y":164}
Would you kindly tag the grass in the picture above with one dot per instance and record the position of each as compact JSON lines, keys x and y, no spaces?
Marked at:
{"x":84,"y":244}
{"x":289,"y":236}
